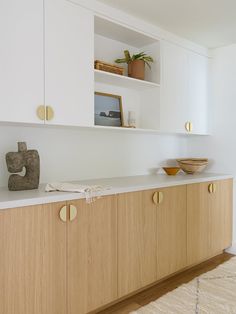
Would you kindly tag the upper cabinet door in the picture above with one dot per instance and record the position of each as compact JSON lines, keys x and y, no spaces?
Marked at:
{"x":69,"y":63}
{"x":198,"y":92}
{"x":21,"y":60}
{"x":184,"y":87}
{"x":174,"y":85}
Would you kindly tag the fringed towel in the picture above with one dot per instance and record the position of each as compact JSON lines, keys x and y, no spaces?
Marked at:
{"x":91,"y":192}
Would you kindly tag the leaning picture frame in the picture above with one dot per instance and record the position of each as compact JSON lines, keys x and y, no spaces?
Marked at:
{"x":108,"y":110}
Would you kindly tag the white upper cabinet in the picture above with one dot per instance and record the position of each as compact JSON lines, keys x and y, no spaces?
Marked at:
{"x":198,"y":92}
{"x":69,"y":63}
{"x":183,"y":90}
{"x":174,"y":85}
{"x":69,"y":71}
{"x":47,"y":54}
{"x":21,"y":60}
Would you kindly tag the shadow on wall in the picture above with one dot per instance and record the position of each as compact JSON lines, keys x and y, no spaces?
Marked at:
{"x":68,"y":154}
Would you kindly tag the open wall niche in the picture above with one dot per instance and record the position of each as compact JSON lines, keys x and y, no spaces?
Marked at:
{"x":141,"y":96}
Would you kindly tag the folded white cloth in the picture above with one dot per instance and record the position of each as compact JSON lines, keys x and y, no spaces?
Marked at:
{"x":90,"y":191}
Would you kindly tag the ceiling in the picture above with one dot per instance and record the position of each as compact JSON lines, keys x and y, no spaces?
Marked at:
{"x":211,"y":23}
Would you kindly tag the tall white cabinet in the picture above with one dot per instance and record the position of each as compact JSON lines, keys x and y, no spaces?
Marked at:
{"x":69,"y":63}
{"x":21,"y":60}
{"x":198,"y":92}
{"x":184,"y":90}
{"x":174,"y":86}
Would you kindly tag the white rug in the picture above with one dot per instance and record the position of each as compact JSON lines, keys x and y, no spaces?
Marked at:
{"x":211,"y":293}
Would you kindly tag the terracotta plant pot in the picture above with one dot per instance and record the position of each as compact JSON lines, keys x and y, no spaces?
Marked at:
{"x":136,"y":69}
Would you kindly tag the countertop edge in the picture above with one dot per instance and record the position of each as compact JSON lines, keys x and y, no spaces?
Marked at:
{"x":54,"y":197}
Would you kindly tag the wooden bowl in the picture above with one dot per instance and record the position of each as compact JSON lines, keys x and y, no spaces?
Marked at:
{"x":192,"y":165}
{"x":171,"y":171}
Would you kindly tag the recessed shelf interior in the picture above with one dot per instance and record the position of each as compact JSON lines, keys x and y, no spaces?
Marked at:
{"x":143,"y":97}
{"x":121,"y":33}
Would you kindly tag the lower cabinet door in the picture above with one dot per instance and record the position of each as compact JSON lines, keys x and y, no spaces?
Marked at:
{"x":209,"y":219}
{"x":226,"y":207}
{"x":137,"y":249}
{"x":92,"y":255}
{"x":171,"y":231}
{"x":32,"y":260}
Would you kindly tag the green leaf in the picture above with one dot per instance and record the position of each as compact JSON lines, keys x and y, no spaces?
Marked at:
{"x":120,"y":60}
{"x":148,"y":58}
{"x":148,"y":64}
{"x":138,"y":56}
{"x":127,"y":56}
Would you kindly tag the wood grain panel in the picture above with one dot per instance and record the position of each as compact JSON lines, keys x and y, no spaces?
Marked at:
{"x":226,"y":208}
{"x":171,"y":231}
{"x":137,"y":248}
{"x":198,"y":222}
{"x":209,"y":220}
{"x":92,"y":255}
{"x":221,"y":212}
{"x":33,"y":260}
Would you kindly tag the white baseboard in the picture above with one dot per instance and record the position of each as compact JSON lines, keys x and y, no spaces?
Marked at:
{"x":232,"y":249}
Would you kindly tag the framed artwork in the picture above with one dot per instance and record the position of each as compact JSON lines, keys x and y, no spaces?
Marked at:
{"x":108,"y":110}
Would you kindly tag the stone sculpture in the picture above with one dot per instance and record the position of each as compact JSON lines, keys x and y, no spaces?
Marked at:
{"x":16,"y":162}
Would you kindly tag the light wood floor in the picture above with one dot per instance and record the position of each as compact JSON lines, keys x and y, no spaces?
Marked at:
{"x":155,"y":292}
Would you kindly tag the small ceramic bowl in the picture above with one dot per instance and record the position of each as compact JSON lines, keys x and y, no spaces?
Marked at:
{"x":171,"y":171}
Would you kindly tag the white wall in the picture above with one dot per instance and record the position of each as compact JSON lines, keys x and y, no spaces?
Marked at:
{"x":221,"y":146}
{"x":76,"y":154}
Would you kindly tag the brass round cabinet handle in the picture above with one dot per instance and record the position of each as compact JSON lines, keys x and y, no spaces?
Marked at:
{"x":63,"y":214}
{"x":189,"y":126}
{"x":49,"y":113}
{"x":72,"y":212}
{"x":41,"y":112}
{"x":212,"y":188}
{"x":158,"y":197}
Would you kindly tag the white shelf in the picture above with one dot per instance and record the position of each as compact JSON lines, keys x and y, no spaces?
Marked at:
{"x":123,"y":129}
{"x":142,"y":131}
{"x":122,"y":81}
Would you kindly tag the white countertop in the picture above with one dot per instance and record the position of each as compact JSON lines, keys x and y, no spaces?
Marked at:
{"x":9,"y":199}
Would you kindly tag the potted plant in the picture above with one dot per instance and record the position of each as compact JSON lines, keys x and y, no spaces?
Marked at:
{"x":136,"y":63}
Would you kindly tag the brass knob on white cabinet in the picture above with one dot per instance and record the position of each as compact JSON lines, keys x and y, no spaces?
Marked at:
{"x":158,"y":198}
{"x":72,"y":212}
{"x":63,"y":213}
{"x":49,"y":113}
{"x":189,"y":126}
{"x":41,"y":112}
{"x":212,"y":188}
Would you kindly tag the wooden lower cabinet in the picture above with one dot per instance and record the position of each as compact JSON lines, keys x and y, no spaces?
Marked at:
{"x":171,"y":231}
{"x":92,"y":255}
{"x":74,"y":262}
{"x":50,"y":266}
{"x":137,"y":246}
{"x":209,"y":219}
{"x":32,"y":260}
{"x":151,"y":237}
